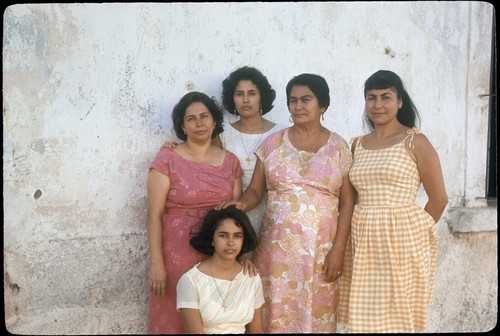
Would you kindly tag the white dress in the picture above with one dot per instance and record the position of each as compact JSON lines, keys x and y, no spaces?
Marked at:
{"x":244,"y":145}
{"x":242,"y":295}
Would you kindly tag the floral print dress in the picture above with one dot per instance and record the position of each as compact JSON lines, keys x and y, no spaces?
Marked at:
{"x":297,"y":231}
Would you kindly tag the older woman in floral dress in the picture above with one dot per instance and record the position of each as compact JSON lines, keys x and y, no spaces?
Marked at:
{"x":305,"y":226}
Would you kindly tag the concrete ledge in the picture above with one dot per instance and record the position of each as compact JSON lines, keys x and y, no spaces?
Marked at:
{"x":473,"y":219}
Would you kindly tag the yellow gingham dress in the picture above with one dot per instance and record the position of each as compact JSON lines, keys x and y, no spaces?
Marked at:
{"x":390,"y":259}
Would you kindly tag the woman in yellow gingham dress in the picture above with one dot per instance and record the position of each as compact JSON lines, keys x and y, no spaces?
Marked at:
{"x":390,"y":260}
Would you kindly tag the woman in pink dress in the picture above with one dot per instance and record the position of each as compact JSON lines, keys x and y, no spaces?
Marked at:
{"x":305,"y":226}
{"x":183,"y":184}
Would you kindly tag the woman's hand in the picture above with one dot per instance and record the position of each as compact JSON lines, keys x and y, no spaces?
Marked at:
{"x":158,"y":281}
{"x":169,"y":144}
{"x":334,"y":266}
{"x":224,"y":204}
{"x":248,"y":266}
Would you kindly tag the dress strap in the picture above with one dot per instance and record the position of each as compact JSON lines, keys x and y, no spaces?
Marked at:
{"x":411,"y":133}
{"x":356,"y":140}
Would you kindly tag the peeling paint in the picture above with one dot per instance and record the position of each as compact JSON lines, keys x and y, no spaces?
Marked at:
{"x":88,"y":94}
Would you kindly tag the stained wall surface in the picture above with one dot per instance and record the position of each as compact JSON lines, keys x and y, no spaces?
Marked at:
{"x":87,"y":94}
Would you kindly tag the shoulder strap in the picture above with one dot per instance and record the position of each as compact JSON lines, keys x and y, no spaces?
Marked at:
{"x":356,"y":140}
{"x":411,"y":133}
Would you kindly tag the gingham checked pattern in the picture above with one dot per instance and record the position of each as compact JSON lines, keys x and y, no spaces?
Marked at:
{"x":390,"y":259}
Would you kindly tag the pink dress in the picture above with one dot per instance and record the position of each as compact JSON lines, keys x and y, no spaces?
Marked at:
{"x":195,"y":188}
{"x":297,"y":231}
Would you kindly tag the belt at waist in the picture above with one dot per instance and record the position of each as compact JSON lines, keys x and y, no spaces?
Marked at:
{"x":199,"y":213}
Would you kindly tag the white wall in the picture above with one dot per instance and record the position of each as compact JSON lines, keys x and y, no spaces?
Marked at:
{"x":88,"y":90}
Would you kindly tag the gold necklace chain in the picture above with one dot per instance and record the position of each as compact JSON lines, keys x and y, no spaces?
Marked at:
{"x":224,"y":299}
{"x":248,"y":153}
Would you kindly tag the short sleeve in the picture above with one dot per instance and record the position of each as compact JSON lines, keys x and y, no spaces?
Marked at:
{"x":162,"y":161}
{"x":345,"y":156}
{"x":187,"y":294}
{"x":235,"y":165}
{"x":271,"y":142}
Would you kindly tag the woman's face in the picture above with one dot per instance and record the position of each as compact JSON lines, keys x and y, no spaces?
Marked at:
{"x":228,"y":239}
{"x":247,"y":98}
{"x":199,"y":123}
{"x":382,"y":105}
{"x":304,"y":105}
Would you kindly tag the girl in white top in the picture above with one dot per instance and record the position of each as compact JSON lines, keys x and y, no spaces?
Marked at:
{"x":215,"y":296}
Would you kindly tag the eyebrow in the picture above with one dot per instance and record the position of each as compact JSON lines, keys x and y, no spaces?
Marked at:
{"x":226,"y":232}
{"x":194,"y":115}
{"x":382,"y":94}
{"x":251,"y":90}
{"x":305,"y":96}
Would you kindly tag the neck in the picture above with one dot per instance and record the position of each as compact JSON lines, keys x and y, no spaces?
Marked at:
{"x":222,"y":268}
{"x":307,"y":130}
{"x":254,"y":124}
{"x":388,"y":130}
{"x":198,"y":148}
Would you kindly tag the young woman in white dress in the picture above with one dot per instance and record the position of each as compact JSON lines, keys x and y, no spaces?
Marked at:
{"x":215,"y":296}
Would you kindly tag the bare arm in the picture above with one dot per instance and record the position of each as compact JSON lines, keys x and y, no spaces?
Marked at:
{"x":157,"y":191}
{"x":255,"y":190}
{"x":237,"y":188}
{"x":255,"y":326}
{"x":429,"y":168}
{"x":334,"y":260}
{"x":191,"y":318}
{"x":253,"y":194}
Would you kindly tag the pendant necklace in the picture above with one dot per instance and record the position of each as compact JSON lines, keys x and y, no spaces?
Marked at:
{"x":224,"y":299}
{"x":249,"y":153}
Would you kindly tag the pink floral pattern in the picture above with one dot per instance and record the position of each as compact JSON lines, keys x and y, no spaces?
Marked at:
{"x":194,"y":189}
{"x":297,"y":231}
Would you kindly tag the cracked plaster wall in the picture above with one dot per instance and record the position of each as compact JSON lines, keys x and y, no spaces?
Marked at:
{"x":87,"y":95}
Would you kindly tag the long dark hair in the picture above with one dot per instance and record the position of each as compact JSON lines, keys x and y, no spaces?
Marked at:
{"x":384,"y":79}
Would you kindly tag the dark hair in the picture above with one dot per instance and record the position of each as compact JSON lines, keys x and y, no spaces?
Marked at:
{"x":179,"y":112}
{"x":315,"y":83}
{"x":267,"y":93}
{"x":202,"y":240}
{"x":385,"y":79}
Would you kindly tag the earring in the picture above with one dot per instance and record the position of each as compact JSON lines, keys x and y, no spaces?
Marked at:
{"x":235,"y":112}
{"x":261,"y":110}
{"x":323,"y":116}
{"x":212,"y":243}
{"x":290,"y":118}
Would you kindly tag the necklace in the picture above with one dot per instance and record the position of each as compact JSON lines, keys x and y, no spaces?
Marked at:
{"x":224,"y":299}
{"x":249,"y":153}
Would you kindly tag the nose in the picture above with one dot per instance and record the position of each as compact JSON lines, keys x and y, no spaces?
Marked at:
{"x":230,"y":241}
{"x":245,"y":97}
